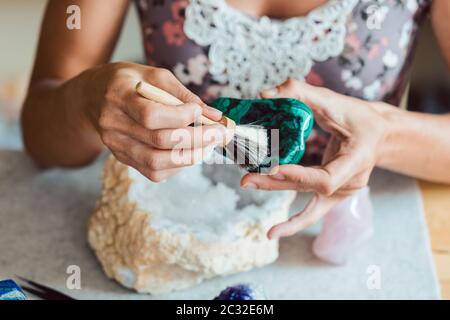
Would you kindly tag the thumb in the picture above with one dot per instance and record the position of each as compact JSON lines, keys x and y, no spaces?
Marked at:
{"x":317,"y":98}
{"x":288,"y":89}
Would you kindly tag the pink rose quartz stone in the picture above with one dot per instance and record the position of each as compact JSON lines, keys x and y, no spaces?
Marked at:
{"x":346,"y":228}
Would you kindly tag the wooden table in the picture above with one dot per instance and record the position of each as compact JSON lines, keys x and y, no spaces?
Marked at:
{"x":437,"y":210}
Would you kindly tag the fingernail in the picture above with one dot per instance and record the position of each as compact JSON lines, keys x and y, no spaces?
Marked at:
{"x":213,"y":112}
{"x":274,"y":171}
{"x":250,"y":185}
{"x":270,"y":93}
{"x":278,"y":176}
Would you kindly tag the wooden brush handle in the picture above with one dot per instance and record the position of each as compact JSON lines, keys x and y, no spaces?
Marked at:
{"x":153,"y":93}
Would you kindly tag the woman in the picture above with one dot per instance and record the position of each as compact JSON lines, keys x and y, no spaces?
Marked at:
{"x":356,"y":53}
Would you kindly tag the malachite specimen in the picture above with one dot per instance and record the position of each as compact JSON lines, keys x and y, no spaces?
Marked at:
{"x":292,"y":118}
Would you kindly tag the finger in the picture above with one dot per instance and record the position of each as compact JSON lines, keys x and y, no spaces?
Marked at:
{"x":268,"y":182}
{"x":183,"y":138}
{"x":153,"y":115}
{"x":165,"y":80}
{"x":212,"y":113}
{"x":124,"y":158}
{"x":311,"y":214}
{"x":331,"y":149}
{"x":301,"y":179}
{"x":155,"y":176}
{"x":345,"y":167}
{"x":117,"y":142}
{"x":188,"y":138}
{"x":156,"y":160}
{"x":315,"y":179}
{"x":158,"y":176}
{"x":326,"y":179}
{"x":317,"y":98}
{"x":151,"y":158}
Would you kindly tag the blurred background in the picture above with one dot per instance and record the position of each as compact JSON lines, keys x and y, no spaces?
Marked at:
{"x":20,"y":21}
{"x":19,"y":29}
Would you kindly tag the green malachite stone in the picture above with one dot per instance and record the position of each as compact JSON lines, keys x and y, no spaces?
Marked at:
{"x":293,"y":118}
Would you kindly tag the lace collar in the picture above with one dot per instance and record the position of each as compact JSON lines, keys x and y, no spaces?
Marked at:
{"x":248,"y":54}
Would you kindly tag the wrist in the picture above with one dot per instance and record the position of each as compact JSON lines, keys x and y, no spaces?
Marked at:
{"x":79,"y":109}
{"x":80,"y":97}
{"x":391,"y":126}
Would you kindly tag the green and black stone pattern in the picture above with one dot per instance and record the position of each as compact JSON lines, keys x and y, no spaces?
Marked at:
{"x":291,"y":117}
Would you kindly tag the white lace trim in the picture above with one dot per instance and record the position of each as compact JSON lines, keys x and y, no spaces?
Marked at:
{"x":250,"y":54}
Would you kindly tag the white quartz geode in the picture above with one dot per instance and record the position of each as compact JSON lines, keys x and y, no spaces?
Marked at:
{"x":160,"y":237}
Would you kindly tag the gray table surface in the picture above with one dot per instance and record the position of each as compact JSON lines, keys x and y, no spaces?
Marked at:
{"x":43,"y":219}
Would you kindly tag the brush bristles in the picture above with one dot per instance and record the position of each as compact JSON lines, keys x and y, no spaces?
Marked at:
{"x":249,"y":147}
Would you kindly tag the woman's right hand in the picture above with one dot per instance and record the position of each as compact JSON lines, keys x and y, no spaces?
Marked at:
{"x":145,"y":134}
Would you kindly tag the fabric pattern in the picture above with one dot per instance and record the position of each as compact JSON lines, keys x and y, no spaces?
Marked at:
{"x":372,"y":64}
{"x":248,"y":54}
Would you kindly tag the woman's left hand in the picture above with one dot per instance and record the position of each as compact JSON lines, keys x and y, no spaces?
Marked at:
{"x":358,"y":131}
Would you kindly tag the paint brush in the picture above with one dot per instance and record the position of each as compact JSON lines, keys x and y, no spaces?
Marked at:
{"x":245,"y":145}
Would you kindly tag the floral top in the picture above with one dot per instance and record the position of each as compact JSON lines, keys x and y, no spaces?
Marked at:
{"x":359,"y":48}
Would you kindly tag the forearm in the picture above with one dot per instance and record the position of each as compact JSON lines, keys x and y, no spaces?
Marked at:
{"x":415,"y":144}
{"x":56,"y":130}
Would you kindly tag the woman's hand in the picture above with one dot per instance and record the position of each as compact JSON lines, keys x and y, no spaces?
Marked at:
{"x":142,"y":133}
{"x":357,"y":131}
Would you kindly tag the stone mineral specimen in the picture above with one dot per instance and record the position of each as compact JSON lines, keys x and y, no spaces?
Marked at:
{"x":159,"y":237}
{"x":347,"y":227}
{"x":242,"y":292}
{"x":292,"y":118}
